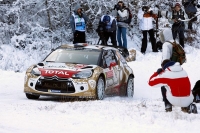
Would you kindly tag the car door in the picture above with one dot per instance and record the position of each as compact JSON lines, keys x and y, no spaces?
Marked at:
{"x":112,"y":72}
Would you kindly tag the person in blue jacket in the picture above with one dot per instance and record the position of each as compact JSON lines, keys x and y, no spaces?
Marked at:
{"x":107,"y":29}
{"x":78,"y":22}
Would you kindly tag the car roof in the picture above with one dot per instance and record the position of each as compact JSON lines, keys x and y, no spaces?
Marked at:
{"x":85,"y":45}
{"x":122,"y":50}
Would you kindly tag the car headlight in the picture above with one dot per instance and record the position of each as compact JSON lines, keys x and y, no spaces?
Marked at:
{"x":83,"y":74}
{"x":36,"y":72}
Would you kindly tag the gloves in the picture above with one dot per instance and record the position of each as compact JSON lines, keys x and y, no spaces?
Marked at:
{"x":176,"y":20}
{"x":159,"y":70}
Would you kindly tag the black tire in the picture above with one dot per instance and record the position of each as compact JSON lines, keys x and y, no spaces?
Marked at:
{"x":130,"y":87}
{"x":30,"y":96}
{"x":100,"y":89}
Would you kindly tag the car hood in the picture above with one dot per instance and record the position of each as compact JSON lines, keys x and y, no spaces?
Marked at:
{"x":63,"y":70}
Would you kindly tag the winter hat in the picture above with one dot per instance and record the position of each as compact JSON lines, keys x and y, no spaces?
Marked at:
{"x":120,"y":2}
{"x":77,"y":7}
{"x":177,"y":4}
{"x":106,"y":19}
{"x":166,"y":35}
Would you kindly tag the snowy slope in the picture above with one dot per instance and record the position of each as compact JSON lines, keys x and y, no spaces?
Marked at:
{"x":141,"y":114}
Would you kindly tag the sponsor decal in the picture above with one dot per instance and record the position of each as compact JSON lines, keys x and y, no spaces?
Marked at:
{"x":79,"y":66}
{"x":52,"y":66}
{"x":92,"y":83}
{"x":109,"y":74}
{"x":56,"y":72}
{"x":56,"y":65}
{"x":55,"y":91}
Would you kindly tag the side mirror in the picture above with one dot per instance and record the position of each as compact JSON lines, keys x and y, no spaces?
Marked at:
{"x":112,"y":64}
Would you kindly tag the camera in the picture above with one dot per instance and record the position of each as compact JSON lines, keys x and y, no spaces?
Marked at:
{"x":101,"y":32}
{"x":117,"y":7}
{"x":145,"y":9}
{"x":101,"y":28}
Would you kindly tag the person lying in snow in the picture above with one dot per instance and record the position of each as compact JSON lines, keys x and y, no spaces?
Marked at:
{"x":177,"y":84}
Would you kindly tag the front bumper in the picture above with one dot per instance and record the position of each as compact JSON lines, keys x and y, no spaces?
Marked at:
{"x":60,"y":87}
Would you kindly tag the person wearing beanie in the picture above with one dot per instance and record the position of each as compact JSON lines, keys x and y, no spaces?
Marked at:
{"x":177,"y":86}
{"x":78,"y":22}
{"x":178,"y":26}
{"x":107,"y":29}
{"x":166,"y":37}
{"x":146,"y":17}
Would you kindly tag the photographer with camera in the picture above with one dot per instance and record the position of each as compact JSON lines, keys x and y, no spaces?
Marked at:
{"x":178,"y":26}
{"x":107,"y":28}
{"x":122,"y":24}
{"x":146,"y":17}
{"x":78,"y":22}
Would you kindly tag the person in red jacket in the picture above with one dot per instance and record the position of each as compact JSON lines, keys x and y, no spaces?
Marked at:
{"x":177,"y":84}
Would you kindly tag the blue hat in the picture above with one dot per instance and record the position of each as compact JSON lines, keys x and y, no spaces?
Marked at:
{"x":106,"y":18}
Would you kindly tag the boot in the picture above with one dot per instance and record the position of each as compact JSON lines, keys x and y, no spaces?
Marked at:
{"x":181,"y":41}
{"x":168,"y":107}
{"x":185,"y":109}
{"x":192,"y":108}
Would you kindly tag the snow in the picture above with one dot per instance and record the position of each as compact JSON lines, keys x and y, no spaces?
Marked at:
{"x":141,"y":114}
{"x":144,"y":113}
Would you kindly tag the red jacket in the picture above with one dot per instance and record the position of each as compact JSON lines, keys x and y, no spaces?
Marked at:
{"x":175,"y":78}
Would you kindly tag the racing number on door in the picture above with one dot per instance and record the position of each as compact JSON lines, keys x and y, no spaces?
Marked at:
{"x":111,"y":68}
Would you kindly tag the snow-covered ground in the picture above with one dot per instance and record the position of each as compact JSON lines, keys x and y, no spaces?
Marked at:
{"x":144,"y":113}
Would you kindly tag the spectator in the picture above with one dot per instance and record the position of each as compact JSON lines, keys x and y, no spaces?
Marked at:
{"x":107,"y":29}
{"x":122,"y":25}
{"x":146,"y":16}
{"x":178,"y":26}
{"x":78,"y":22}
{"x":196,"y":92}
{"x":177,"y":84}
{"x":166,"y":37}
{"x":190,"y":10}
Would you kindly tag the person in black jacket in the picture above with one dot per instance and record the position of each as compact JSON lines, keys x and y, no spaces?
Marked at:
{"x":190,"y":10}
{"x":196,"y":92}
{"x":178,"y":26}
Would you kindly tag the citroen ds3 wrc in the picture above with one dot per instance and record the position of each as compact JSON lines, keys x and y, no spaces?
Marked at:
{"x":83,"y":71}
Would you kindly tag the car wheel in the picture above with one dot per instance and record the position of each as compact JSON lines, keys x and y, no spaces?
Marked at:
{"x":100,"y":88}
{"x":130,"y":87}
{"x":30,"y":96}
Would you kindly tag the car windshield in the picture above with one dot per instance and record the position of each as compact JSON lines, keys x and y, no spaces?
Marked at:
{"x":76,"y":56}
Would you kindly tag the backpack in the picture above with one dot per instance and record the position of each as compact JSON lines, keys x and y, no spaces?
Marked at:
{"x":178,"y":53}
{"x":130,"y":16}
